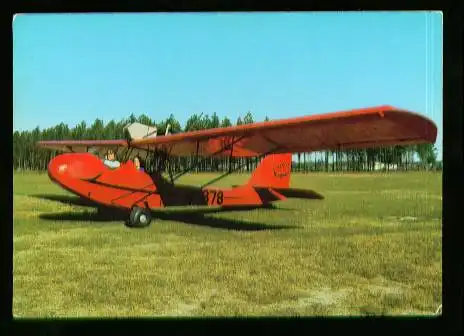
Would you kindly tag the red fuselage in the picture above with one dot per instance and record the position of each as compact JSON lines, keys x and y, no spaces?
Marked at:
{"x":125,"y":187}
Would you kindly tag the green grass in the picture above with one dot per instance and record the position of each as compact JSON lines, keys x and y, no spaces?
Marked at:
{"x":373,"y":246}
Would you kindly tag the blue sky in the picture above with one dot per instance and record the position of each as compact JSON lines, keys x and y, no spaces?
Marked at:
{"x":73,"y":67}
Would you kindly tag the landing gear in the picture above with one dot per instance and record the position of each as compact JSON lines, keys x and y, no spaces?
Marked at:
{"x":139,"y":218}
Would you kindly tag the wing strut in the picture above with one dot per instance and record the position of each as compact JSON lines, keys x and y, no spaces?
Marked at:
{"x":242,"y":165}
{"x":189,"y":169}
{"x":128,"y":153}
{"x":170,"y":167}
{"x":231,"y":158}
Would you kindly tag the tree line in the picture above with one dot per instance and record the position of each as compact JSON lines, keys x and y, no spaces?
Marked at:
{"x":28,"y":156}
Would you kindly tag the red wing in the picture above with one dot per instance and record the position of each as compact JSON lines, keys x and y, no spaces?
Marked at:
{"x":82,"y":146}
{"x":361,"y":128}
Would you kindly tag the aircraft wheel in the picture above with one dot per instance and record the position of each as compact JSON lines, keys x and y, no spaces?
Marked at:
{"x":139,"y":218}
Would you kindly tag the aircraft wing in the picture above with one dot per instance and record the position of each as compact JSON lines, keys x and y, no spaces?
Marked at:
{"x":360,"y":128}
{"x":82,"y":146}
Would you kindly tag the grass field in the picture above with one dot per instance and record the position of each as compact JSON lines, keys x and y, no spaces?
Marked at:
{"x":373,"y":246}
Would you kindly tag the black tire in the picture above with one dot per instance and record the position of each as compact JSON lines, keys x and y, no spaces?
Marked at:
{"x":139,"y":218}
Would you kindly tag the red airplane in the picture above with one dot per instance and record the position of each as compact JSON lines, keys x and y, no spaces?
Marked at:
{"x":138,"y":192}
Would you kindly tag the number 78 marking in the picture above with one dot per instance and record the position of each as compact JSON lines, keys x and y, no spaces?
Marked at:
{"x":218,"y":196}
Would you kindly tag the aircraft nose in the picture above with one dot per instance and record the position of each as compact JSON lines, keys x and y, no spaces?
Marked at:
{"x":75,"y":165}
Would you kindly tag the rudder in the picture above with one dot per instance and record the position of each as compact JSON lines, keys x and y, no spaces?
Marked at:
{"x":273,"y":171}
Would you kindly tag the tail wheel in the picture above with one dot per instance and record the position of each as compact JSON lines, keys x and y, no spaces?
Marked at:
{"x":139,"y":217}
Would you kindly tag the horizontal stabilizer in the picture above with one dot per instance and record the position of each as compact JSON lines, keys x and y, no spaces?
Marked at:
{"x":296,"y":193}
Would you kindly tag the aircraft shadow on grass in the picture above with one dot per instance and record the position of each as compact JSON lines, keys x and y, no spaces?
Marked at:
{"x":187,"y":216}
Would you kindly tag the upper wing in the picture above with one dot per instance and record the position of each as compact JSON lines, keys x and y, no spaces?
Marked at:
{"x":361,"y":128}
{"x":80,"y":146}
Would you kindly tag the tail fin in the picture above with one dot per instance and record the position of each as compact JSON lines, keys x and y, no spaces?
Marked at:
{"x":273,"y":171}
